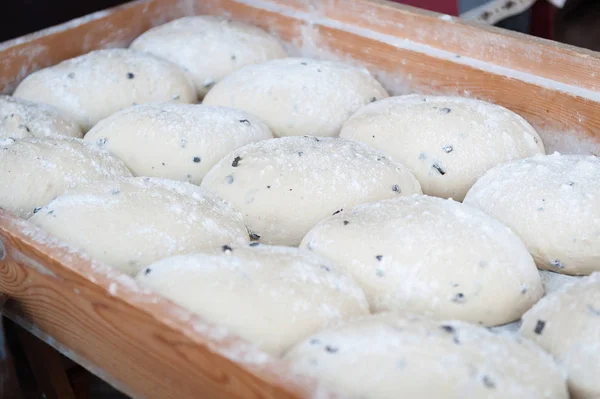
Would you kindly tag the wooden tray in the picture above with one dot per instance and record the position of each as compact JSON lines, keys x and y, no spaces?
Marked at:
{"x":147,"y":346}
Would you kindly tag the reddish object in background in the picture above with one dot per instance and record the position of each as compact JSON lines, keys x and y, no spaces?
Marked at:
{"x":449,"y":7}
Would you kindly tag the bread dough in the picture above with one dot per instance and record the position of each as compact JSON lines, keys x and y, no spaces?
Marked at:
{"x":567,"y":324}
{"x":298,"y":96}
{"x":447,"y":142}
{"x":431,"y":256}
{"x":21,"y":118}
{"x":176,"y":141}
{"x":33,"y":171}
{"x":389,"y":357}
{"x":552,"y":203}
{"x":93,"y":86}
{"x":133,"y":222}
{"x":271,"y":296}
{"x":285,"y":186}
{"x":209,"y":47}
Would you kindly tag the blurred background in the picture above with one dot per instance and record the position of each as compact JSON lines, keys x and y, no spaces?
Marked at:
{"x":575,"y":22}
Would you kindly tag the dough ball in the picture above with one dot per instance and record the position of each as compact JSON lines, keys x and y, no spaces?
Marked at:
{"x":21,"y":118}
{"x":285,"y":186}
{"x":447,"y":142}
{"x":431,"y":256}
{"x":389,"y":357}
{"x":298,"y":96}
{"x":209,"y":47}
{"x":133,"y":222}
{"x":567,"y":324}
{"x":93,"y":86}
{"x":176,"y":141}
{"x":33,"y":171}
{"x":271,"y":296}
{"x":552,"y":203}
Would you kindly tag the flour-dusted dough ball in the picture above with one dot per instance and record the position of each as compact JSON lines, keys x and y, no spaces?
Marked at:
{"x":21,"y":118}
{"x":33,"y":171}
{"x":93,"y":86}
{"x":298,"y":96}
{"x":176,"y":141}
{"x":271,"y":296}
{"x":209,"y":47}
{"x":567,"y":324}
{"x":386,"y":356}
{"x":285,"y":186}
{"x":133,"y":222}
{"x":552,"y":203}
{"x":431,"y":256}
{"x":447,"y":142}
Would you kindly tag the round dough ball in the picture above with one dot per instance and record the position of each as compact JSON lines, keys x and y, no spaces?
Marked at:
{"x":431,"y":256}
{"x":93,"y":86}
{"x":285,"y":186}
{"x":209,"y":47}
{"x":176,"y":141}
{"x":298,"y":96}
{"x":271,"y":296}
{"x":567,"y":324}
{"x":552,"y":203}
{"x":389,"y":357}
{"x":33,"y":171}
{"x":447,"y":142}
{"x":133,"y":222}
{"x":21,"y":118}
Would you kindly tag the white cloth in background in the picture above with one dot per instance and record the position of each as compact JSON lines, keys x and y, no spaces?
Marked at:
{"x":497,"y":10}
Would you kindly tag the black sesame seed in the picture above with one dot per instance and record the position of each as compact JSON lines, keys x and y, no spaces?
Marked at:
{"x":300,"y":153}
{"x":71,"y":75}
{"x":254,"y":236}
{"x":246,"y":121}
{"x":447,"y":148}
{"x":130,"y":75}
{"x":196,"y":159}
{"x":319,"y":70}
{"x":379,"y":257}
{"x":37,"y":209}
{"x":236,"y":162}
{"x":25,"y":127}
{"x":147,"y":271}
{"x":459,"y":297}
{"x":229,"y":179}
{"x":226,"y":248}
{"x":338,"y":211}
{"x":327,"y":269}
{"x":396,"y":188}
{"x":291,"y":189}
{"x":346,"y":222}
{"x":331,"y":349}
{"x":557,"y":263}
{"x":487,"y":381}
{"x":571,"y":183}
{"x":373,"y":99}
{"x":163,"y":164}
{"x":447,"y":328}
{"x":445,"y":110}
{"x":233,"y":57}
{"x":101,"y":141}
{"x":254,"y":244}
{"x":437,"y":167}
{"x":304,"y":63}
{"x":539,"y":327}
{"x":269,"y":187}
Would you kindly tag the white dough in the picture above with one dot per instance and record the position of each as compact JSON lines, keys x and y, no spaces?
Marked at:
{"x":298,"y":96}
{"x":21,"y":118}
{"x":391,"y":357}
{"x":285,"y":186}
{"x":133,"y":222}
{"x":447,"y":142}
{"x":33,"y":171}
{"x":567,"y":324}
{"x":209,"y":47}
{"x":552,"y":203}
{"x":93,"y":86}
{"x":271,"y":296}
{"x":431,"y":256}
{"x":176,"y":141}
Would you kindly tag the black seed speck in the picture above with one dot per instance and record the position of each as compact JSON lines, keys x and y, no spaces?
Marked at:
{"x":396,"y":188}
{"x":130,"y":75}
{"x":233,"y":57}
{"x":304,"y":63}
{"x":487,"y":381}
{"x":50,"y":212}
{"x":196,"y":159}
{"x":163,"y":164}
{"x":71,"y":75}
{"x":246,"y":121}
{"x":226,"y":248}
{"x":346,"y":222}
{"x":314,"y":341}
{"x":557,"y":263}
{"x":331,"y":349}
{"x":300,"y":153}
{"x":269,"y":187}
{"x":319,"y":70}
{"x":456,"y":340}
{"x":147,"y":271}
{"x":373,"y":99}
{"x":571,"y":184}
{"x":459,"y":297}
{"x":291,"y":189}
{"x":325,"y":268}
{"x":379,"y":257}
{"x":37,"y":209}
{"x":447,"y":149}
{"x":437,"y":167}
{"x":254,"y":236}
{"x":338,"y":211}
{"x":447,"y":328}
{"x":236,"y":162}
{"x":445,"y":110}
{"x":539,"y":327}
{"x":254,"y":244}
{"x":101,"y":141}
{"x":25,"y":127}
